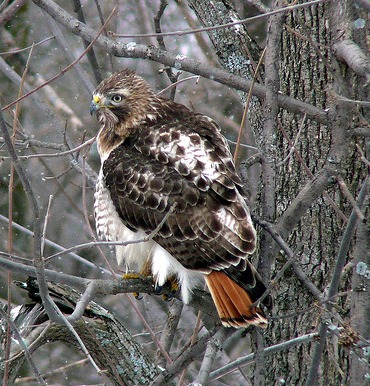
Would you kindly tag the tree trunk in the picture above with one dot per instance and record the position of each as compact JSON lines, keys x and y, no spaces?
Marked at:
{"x":310,"y":72}
{"x":305,"y":169}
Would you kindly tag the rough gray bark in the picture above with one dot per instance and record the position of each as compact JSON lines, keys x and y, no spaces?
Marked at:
{"x":234,"y":47}
{"x":302,"y":162}
{"x":360,"y":304}
{"x":310,"y":72}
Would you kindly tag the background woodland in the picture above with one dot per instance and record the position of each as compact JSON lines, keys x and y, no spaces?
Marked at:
{"x":289,"y":85}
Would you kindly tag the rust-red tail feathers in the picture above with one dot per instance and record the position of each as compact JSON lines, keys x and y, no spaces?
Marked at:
{"x":233,"y":302}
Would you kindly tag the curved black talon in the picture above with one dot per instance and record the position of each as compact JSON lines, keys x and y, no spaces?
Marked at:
{"x":158,"y":289}
{"x":167,"y":297}
{"x":170,"y":289}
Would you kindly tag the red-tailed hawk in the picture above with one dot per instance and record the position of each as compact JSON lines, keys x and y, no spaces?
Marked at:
{"x":156,"y":155}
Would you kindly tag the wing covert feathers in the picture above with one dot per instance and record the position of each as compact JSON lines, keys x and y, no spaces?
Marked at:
{"x":233,"y":303}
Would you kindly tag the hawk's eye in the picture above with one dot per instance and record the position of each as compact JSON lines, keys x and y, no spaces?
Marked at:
{"x":117,"y":98}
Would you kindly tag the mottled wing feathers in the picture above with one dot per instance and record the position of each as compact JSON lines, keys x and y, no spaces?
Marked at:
{"x":182,"y":159}
{"x":165,"y":165}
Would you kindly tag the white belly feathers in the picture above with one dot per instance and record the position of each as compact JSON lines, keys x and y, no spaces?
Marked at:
{"x":110,"y":227}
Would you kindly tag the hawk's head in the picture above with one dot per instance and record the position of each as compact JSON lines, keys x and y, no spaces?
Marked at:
{"x":124,"y":96}
{"x":122,"y":102}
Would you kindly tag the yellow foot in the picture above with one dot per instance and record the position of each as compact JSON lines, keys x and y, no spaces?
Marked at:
{"x":171,"y":287}
{"x":131,"y":275}
{"x":134,"y":275}
{"x":174,"y":284}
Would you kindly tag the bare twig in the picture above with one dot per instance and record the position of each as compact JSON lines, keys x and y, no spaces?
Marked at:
{"x":226,"y":25}
{"x":23,"y":345}
{"x":10,"y":73}
{"x":175,"y":60}
{"x":28,"y":47}
{"x":62,"y":41}
{"x":77,"y":364}
{"x":11,"y":10}
{"x":47,"y":216}
{"x":178,"y":82}
{"x":55,"y":245}
{"x":90,"y":52}
{"x":246,"y":107}
{"x":62,"y":153}
{"x":63,"y":71}
{"x":248,"y":359}
{"x":157,"y":24}
{"x":105,"y":32}
{"x":150,"y":330}
{"x":294,"y":144}
{"x":349,"y":197}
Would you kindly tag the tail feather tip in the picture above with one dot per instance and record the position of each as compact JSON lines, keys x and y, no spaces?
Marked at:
{"x":233,"y":303}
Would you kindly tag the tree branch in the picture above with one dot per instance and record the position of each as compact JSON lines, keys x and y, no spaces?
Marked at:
{"x":106,"y":339}
{"x":313,"y":189}
{"x":90,"y":53}
{"x":248,"y":359}
{"x":201,"y":300}
{"x":177,"y":61}
{"x":18,"y":337}
{"x":8,"y":13}
{"x":349,"y":52}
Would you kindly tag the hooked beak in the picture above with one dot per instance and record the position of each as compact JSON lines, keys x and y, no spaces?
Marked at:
{"x":94,"y":105}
